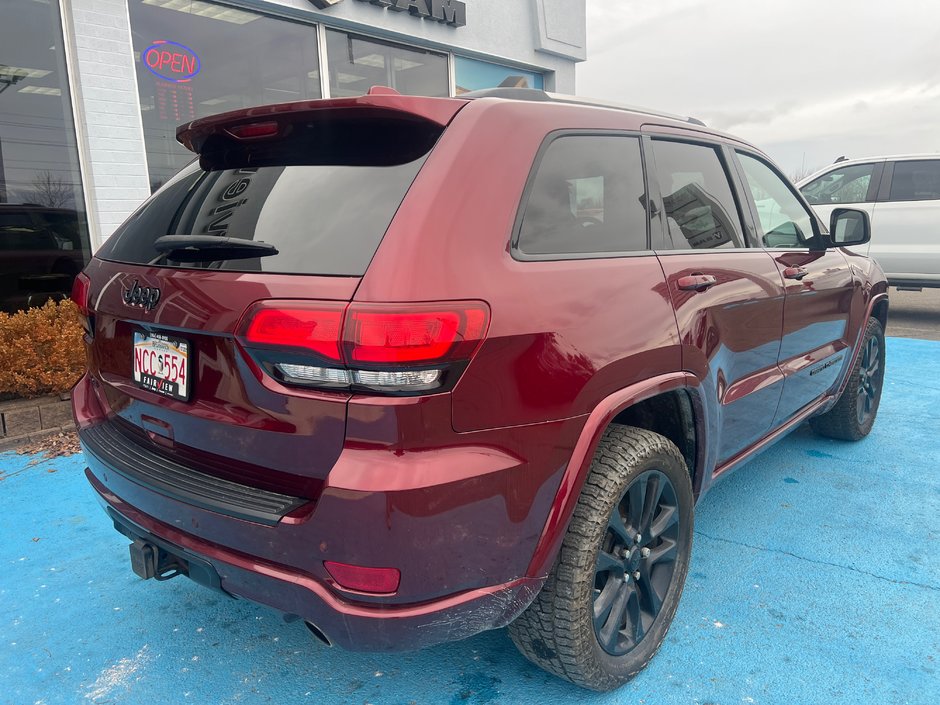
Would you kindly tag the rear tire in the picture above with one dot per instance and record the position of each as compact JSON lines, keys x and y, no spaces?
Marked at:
{"x":608,"y":602}
{"x":854,"y":414}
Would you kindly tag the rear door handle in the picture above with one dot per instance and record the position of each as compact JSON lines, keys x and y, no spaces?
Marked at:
{"x":696,"y":282}
{"x":795,"y":273}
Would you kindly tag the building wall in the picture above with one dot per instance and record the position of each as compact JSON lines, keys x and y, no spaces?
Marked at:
{"x":110,"y":111}
{"x":546,"y":35}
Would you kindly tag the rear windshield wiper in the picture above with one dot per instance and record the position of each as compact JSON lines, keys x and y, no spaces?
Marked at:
{"x":209,"y":248}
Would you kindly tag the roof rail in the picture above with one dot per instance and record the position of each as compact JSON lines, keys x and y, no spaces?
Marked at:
{"x":538,"y":95}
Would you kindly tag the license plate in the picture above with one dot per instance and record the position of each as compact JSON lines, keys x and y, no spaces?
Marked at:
{"x":161,"y":364}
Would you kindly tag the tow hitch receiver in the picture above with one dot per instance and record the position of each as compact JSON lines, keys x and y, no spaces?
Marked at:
{"x":149,"y":561}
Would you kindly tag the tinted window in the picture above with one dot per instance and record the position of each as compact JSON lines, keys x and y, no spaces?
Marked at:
{"x":915,"y":181}
{"x":40,"y":178}
{"x":784,"y":221}
{"x":475,"y":75}
{"x":588,"y":196}
{"x":18,"y":231}
{"x":697,"y":198}
{"x":316,"y":197}
{"x":846,"y":185}
{"x":200,"y":58}
{"x":357,"y":64}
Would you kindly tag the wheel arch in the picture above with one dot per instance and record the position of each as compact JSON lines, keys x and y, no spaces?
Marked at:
{"x":877,"y":307}
{"x":645,"y":405}
{"x":879,"y":310}
{"x":670,"y":414}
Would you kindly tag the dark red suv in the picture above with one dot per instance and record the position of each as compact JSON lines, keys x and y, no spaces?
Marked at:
{"x":413,"y":368}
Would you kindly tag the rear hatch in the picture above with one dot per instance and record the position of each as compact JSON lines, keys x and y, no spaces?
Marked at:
{"x":317,"y":185}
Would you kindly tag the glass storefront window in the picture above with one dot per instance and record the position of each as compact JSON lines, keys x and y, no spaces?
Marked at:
{"x":198,"y":58}
{"x":357,"y":63}
{"x":43,"y":230}
{"x":474,"y":75}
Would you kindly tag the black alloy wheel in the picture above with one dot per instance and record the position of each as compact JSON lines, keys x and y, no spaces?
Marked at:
{"x":636,"y":563}
{"x":869,"y":382}
{"x":852,"y":416}
{"x":607,"y":604}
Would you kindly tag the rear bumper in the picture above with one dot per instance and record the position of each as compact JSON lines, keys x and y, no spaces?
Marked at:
{"x":459,"y":515}
{"x":353,"y":625}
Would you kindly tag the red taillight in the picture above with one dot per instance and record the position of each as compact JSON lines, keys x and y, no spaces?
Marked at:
{"x":362,"y":579}
{"x":296,"y":325}
{"x":254,"y":130}
{"x":381,"y":334}
{"x":389,"y":348}
{"x":80,"y":289}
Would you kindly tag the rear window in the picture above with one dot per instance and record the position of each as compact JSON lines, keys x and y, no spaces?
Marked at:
{"x":324,"y":201}
{"x":915,"y":181}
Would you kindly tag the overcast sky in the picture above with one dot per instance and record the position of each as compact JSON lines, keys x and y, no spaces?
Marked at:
{"x":804,"y":80}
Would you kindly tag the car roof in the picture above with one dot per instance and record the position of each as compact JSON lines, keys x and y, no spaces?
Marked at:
{"x":644,"y":117}
{"x":540,"y":96}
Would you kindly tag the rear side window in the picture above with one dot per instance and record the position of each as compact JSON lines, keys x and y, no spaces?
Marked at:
{"x":587,"y":196}
{"x":697,"y":198}
{"x":846,"y":185}
{"x":915,"y":181}
{"x":324,"y":201}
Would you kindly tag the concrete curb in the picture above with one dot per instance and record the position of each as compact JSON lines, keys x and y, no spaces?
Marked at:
{"x":26,"y":420}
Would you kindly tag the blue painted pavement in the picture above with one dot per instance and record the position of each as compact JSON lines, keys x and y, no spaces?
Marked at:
{"x":815,"y":579}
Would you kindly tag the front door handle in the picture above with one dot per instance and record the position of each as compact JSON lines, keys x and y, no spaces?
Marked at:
{"x":795,"y":273}
{"x":696,"y":282}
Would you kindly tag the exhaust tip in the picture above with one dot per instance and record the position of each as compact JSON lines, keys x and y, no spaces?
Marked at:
{"x":318,"y":633}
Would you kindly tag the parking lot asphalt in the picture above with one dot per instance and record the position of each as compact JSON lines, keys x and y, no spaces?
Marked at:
{"x":815,"y":578}
{"x":914,"y":314}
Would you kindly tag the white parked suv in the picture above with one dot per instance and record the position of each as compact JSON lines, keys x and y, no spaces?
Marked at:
{"x":902,"y":197}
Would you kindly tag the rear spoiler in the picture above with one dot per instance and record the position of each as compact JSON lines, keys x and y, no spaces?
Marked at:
{"x":270,"y":120}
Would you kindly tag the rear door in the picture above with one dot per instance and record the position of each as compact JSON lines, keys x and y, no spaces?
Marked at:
{"x":906,"y":222}
{"x":168,"y":359}
{"x":820,"y":288}
{"x":728,"y":298}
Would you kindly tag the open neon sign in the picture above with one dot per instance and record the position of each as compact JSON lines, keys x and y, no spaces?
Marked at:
{"x":171,"y":61}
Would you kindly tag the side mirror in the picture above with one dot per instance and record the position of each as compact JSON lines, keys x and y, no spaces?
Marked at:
{"x":848,"y":226}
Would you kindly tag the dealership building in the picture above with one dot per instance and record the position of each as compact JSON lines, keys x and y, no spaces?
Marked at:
{"x":91,"y":93}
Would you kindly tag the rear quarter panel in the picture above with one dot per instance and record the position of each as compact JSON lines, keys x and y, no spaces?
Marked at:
{"x":563,"y":335}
